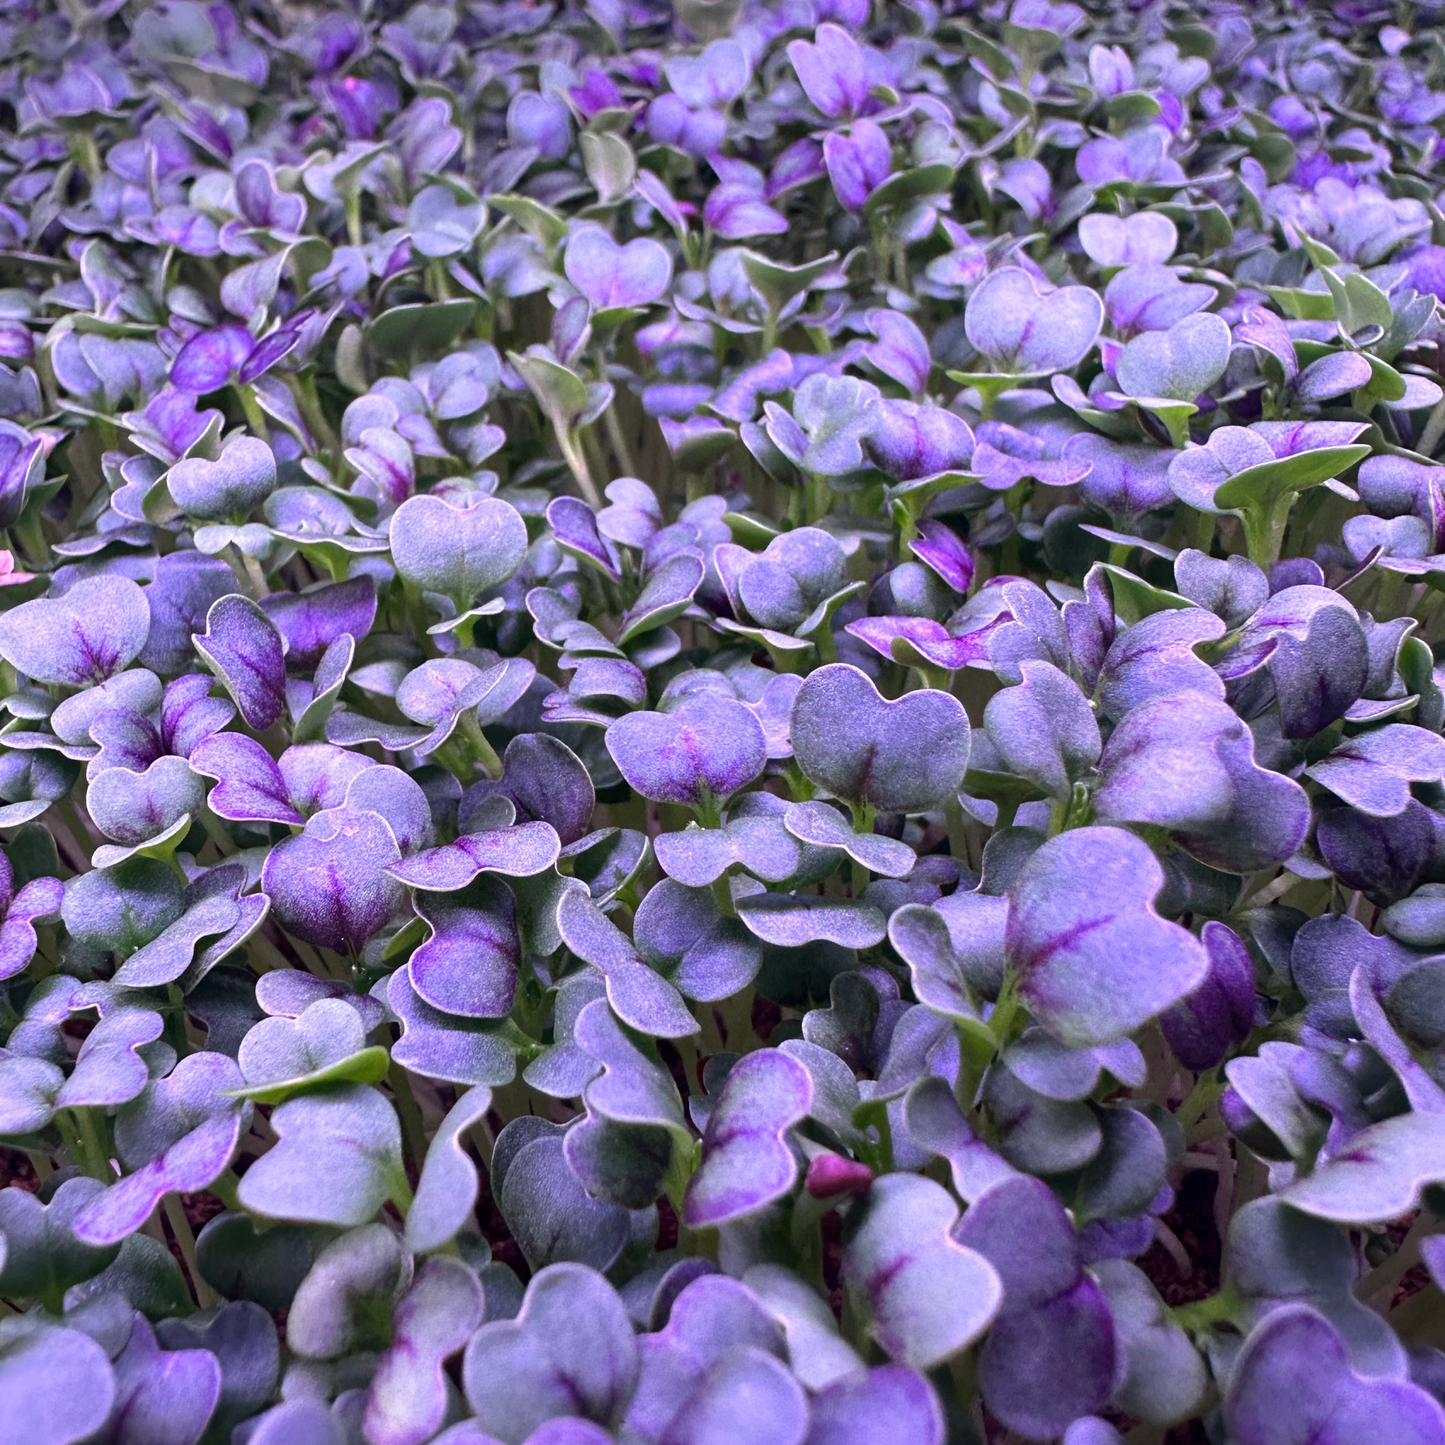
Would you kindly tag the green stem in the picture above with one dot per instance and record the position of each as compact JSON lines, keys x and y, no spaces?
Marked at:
{"x":1386,"y":592}
{"x":232,"y":557}
{"x":570,"y":443}
{"x":620,"y":448}
{"x":484,"y":752}
{"x":257,"y":575}
{"x":255,"y":417}
{"x":94,"y":1157}
{"x":770,"y":332}
{"x":353,"y":215}
{"x":303,"y":388}
{"x":85,"y":152}
{"x":592,"y":450}
{"x":401,"y":1194}
{"x":957,"y":830}
{"x":1264,"y":532}
{"x":416,"y":611}
{"x":1221,"y":1308}
{"x":70,"y":814}
{"x":1058,"y":816}
{"x":265,"y":956}
{"x":1434,"y":430}
{"x":863,"y":815}
{"x":722,"y":896}
{"x":409,"y":1114}
{"x":32,"y":536}
{"x":977,"y":1048}
{"x":227,"y":1188}
{"x":1005,"y":1013}
{"x":1204,"y":531}
{"x":310,"y":959}
{"x":859,"y":879}
{"x":799,"y":787}
{"x":216,"y":832}
{"x":186,"y":1243}
{"x":879,"y":1156}
{"x":738,"y":1020}
{"x":1207,"y":1089}
{"x":710,"y":1039}
{"x":905,"y":513}
{"x":881,"y":248}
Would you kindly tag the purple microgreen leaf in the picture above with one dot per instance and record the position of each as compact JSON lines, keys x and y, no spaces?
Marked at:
{"x":337,"y":1162}
{"x":708,"y":749}
{"x":242,"y":647}
{"x":924,"y":1296}
{"x":409,"y":1395}
{"x":1187,"y":763}
{"x":791,"y":920}
{"x":680,"y":932}
{"x":898,"y":757}
{"x":747,"y":1162}
{"x":177,"y":1137}
{"x":517,"y":852}
{"x":329,"y":884}
{"x":1373,"y":772}
{"x":469,"y":964}
{"x":823,"y":827}
{"x":641,"y":999}
{"x":1082,"y":912}
{"x":59,"y":1383}
{"x":91,"y":633}
{"x":1325,"y":1398}
{"x":447,"y":1189}
{"x":570,"y":1352}
{"x":1028,"y":331}
{"x":434,"y":1045}
{"x":613,"y":276}
{"x":281,"y":1057}
{"x":457,"y":551}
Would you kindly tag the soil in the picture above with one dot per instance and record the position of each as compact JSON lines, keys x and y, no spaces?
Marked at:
{"x":1192,"y":1220}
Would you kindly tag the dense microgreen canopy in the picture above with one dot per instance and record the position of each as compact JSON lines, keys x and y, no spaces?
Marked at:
{"x":721,"y":722}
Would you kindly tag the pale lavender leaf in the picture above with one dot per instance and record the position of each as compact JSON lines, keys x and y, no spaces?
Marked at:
{"x":243,"y":649}
{"x":925,"y":1297}
{"x":747,"y":1162}
{"x":330,"y":884}
{"x":520,"y":851}
{"x":1093,"y":959}
{"x":901,"y":756}
{"x":408,"y":1397}
{"x":1029,"y":331}
{"x":337,"y":1162}
{"x":447,"y":1189}
{"x":94,"y":631}
{"x":468,"y":966}
{"x":709,"y":748}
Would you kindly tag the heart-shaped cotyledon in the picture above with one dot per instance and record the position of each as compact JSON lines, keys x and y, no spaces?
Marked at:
{"x":1144,"y":239}
{"x":457,"y":551}
{"x":1179,"y":363}
{"x":91,"y":633}
{"x":1028,"y":331}
{"x":233,"y":485}
{"x":709,"y":748}
{"x":609,"y":275}
{"x":902,"y":756}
